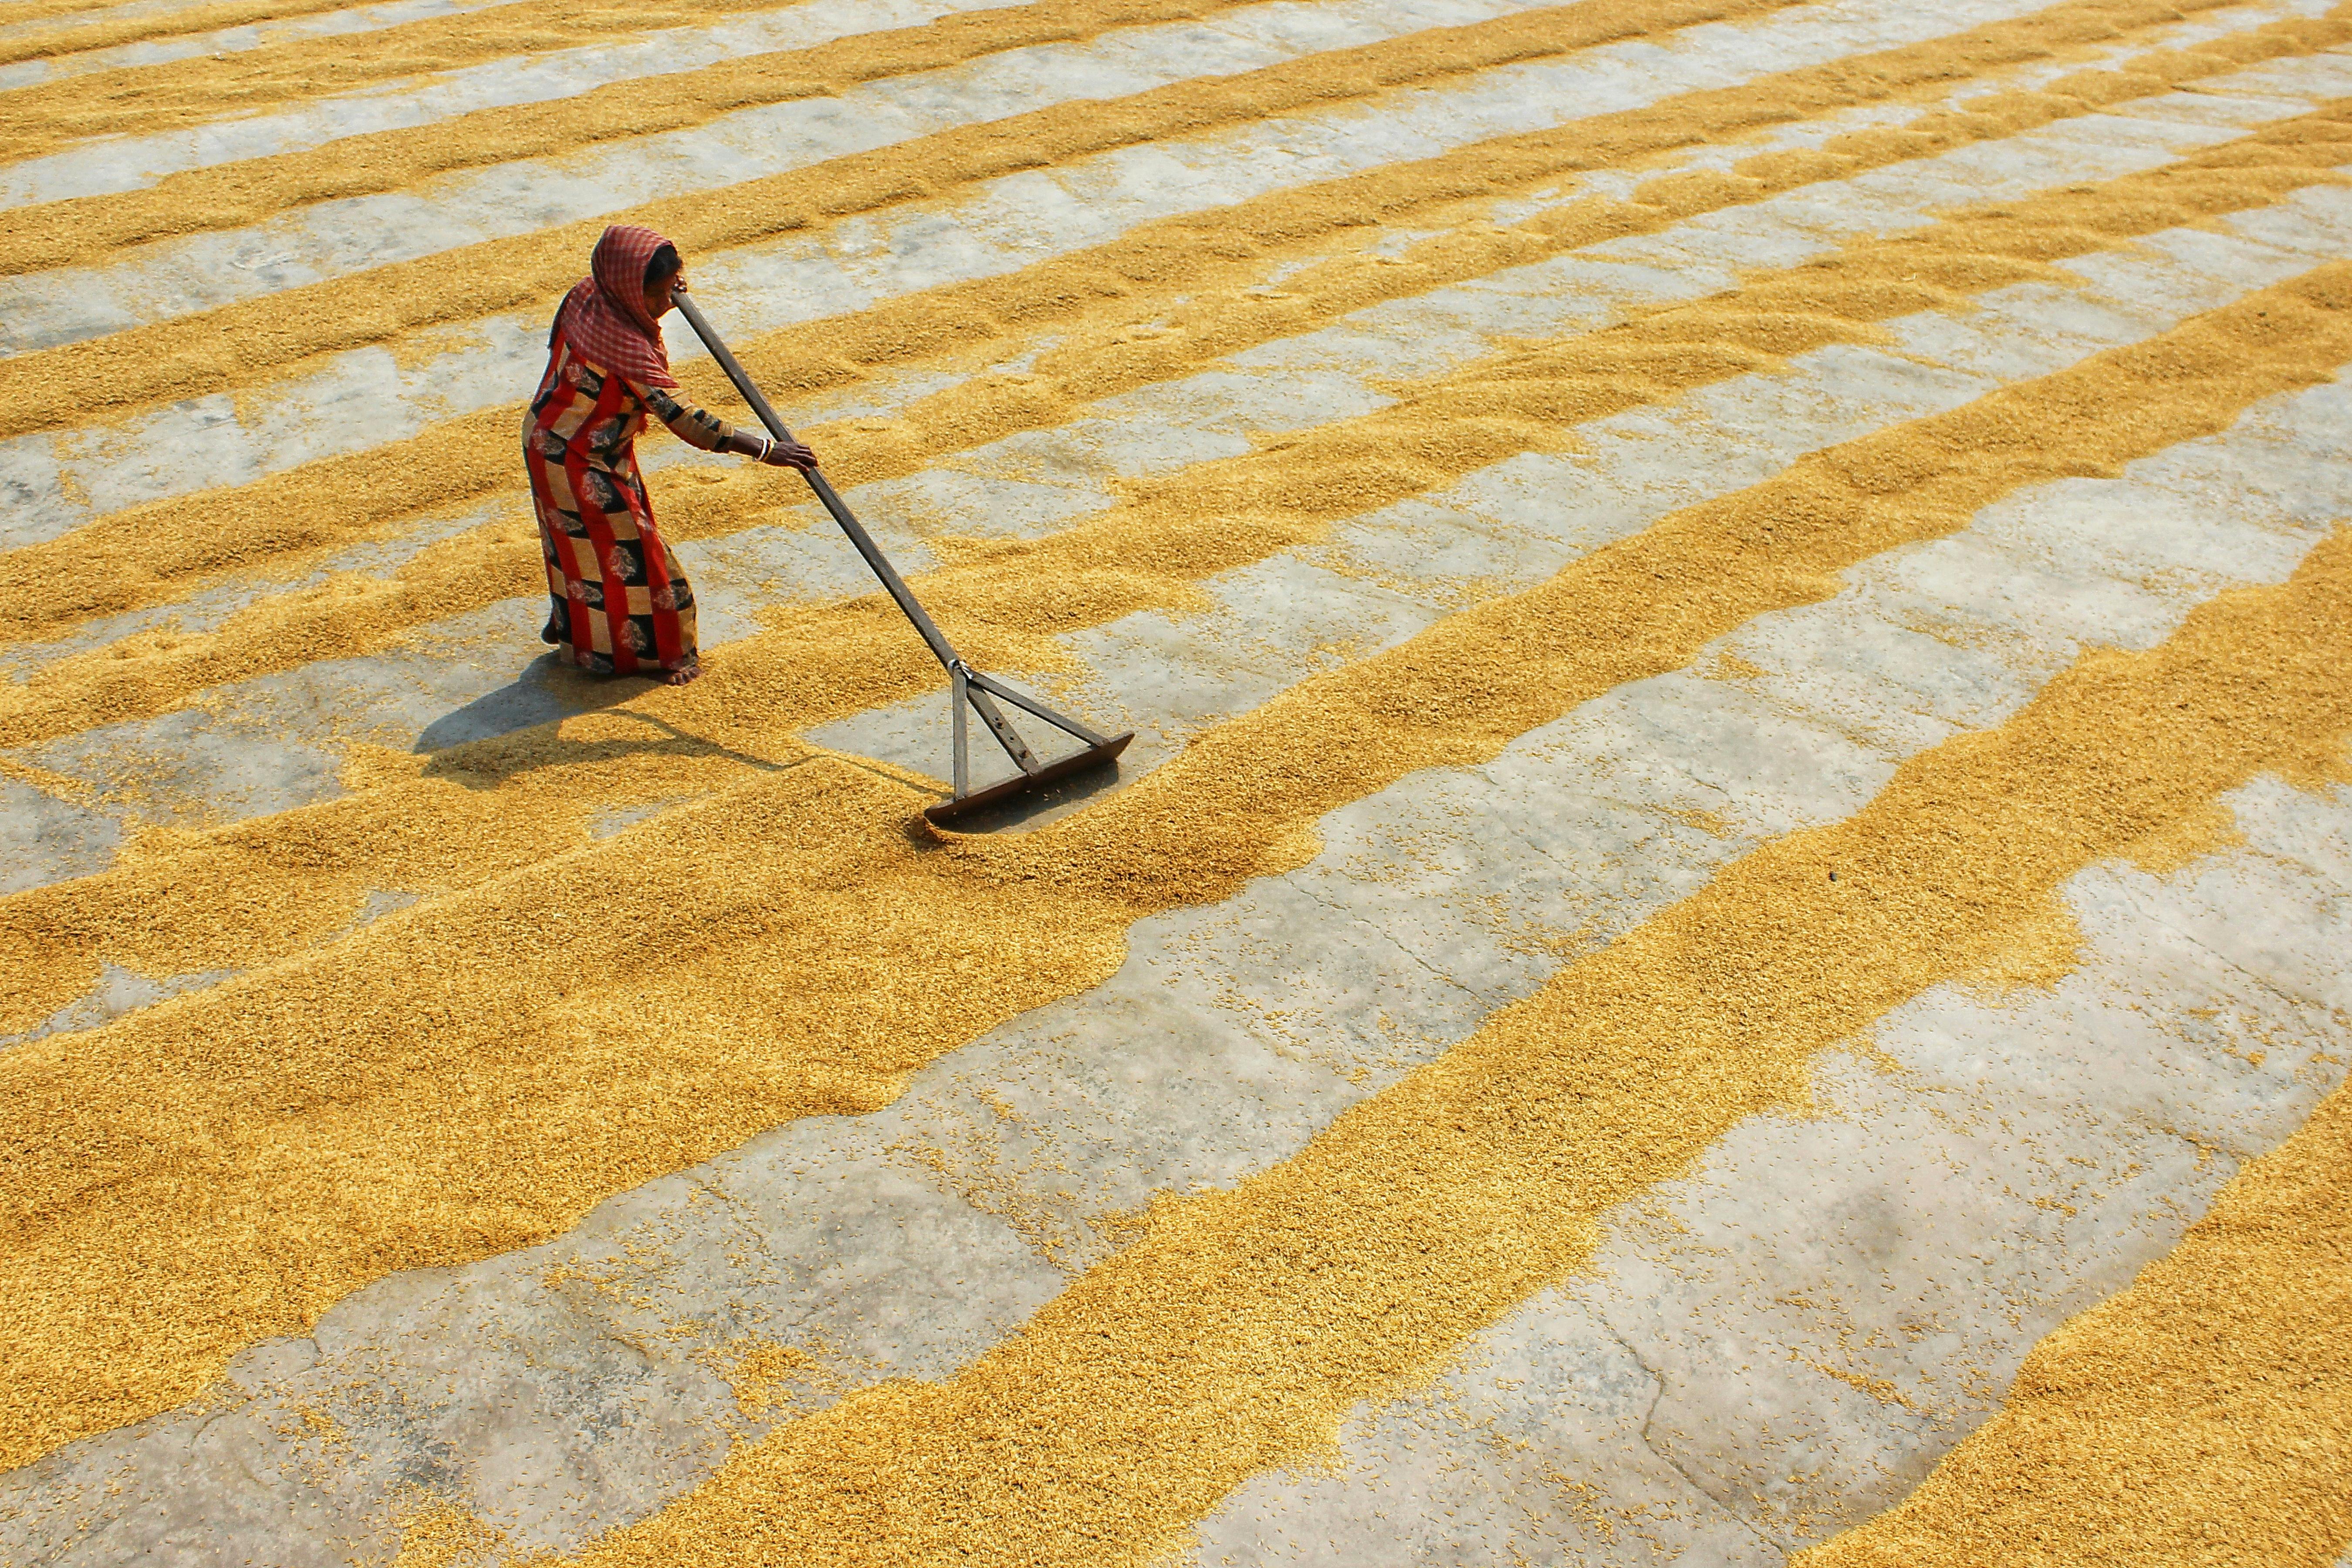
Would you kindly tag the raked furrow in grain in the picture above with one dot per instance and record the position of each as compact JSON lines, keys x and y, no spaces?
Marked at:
{"x":1527,"y":160}
{"x":58,"y":28}
{"x":1228,"y":1336}
{"x":1048,"y":1136}
{"x":243,"y":168}
{"x":364,"y":495}
{"x":57,"y":389}
{"x":488,"y":979}
{"x":281,"y":892}
{"x":900,"y":110}
{"x":2200,"y":1416}
{"x":216,"y":84}
{"x":1783,"y":1340}
{"x":110,"y":684}
{"x":1844,"y":134}
{"x":1098,"y":562}
{"x":1004,"y":501}
{"x":34,"y":16}
{"x":1224,"y":1340}
{"x":1658,"y":552}
{"x":342,"y":23}
{"x":528,"y":269}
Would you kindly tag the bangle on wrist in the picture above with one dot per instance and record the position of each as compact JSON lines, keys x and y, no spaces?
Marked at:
{"x":767,"y":446}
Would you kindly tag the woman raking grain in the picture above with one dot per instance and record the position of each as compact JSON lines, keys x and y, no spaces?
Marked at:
{"x":622,"y":605}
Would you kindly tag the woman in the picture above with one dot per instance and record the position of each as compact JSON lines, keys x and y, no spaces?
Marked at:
{"x":622,"y":605}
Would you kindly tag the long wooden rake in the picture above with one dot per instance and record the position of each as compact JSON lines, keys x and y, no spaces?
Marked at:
{"x":968,"y":689}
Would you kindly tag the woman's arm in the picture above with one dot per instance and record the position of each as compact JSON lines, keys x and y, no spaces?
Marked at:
{"x":710,"y":433}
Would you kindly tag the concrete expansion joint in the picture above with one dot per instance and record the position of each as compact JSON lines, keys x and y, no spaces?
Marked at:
{"x":612,"y":1336}
{"x":742,"y":1212}
{"x":194,"y":1444}
{"x":1675,"y":765}
{"x":205,"y":1426}
{"x":2264,"y":982}
{"x":249,"y":1398}
{"x":54,"y":1554}
{"x":1473,"y":993}
{"x":2209,"y":1152}
{"x":1352,"y":918}
{"x":821,"y":1251}
{"x":1650,"y":1442}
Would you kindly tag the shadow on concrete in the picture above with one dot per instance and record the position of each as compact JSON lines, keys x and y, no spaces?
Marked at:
{"x":512,"y":731}
{"x":547,"y":690}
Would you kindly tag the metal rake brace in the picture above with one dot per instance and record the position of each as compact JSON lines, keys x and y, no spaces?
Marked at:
{"x":968,"y":689}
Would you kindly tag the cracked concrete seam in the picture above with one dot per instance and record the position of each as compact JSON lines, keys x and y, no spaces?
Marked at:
{"x":1649,"y":1441}
{"x":1298,"y":883}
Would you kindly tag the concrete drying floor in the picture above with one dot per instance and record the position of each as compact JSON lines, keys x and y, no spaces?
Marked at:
{"x":1778,"y":1340}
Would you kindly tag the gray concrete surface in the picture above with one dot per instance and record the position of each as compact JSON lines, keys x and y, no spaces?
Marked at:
{"x":366,"y":396}
{"x":133,"y":163}
{"x":330,"y":240}
{"x":1786,"y":1340}
{"x":1672,"y":1406}
{"x":190,"y":46}
{"x":1282,"y":612}
{"x":570,"y":1387}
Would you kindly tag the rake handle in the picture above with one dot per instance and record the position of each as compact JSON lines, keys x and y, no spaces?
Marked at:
{"x":891,"y":582}
{"x":969,"y":688}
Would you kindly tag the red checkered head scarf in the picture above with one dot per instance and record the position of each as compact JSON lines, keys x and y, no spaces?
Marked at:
{"x":604,"y":317}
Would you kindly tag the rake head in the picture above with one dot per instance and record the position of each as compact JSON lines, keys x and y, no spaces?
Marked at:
{"x":969,"y":692}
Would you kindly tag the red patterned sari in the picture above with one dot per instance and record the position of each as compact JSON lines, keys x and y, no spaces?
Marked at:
{"x":621,"y":604}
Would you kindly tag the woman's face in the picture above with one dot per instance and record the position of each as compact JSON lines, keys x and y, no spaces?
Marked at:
{"x":664,"y":294}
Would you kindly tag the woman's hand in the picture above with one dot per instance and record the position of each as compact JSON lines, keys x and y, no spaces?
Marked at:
{"x":790,"y":454}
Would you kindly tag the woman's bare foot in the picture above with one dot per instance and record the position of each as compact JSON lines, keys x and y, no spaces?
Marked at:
{"x":681,"y":676}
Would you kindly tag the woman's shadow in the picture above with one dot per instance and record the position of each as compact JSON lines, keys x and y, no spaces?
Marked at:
{"x":515,"y":728}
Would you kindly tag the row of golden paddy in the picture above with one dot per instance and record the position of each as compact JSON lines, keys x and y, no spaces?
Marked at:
{"x":336,"y":501}
{"x":117,"y":653}
{"x":901,"y":172}
{"x":1115,"y":543}
{"x":186,"y":357}
{"x":1671,"y":330}
{"x":1201,"y":1353}
{"x":663,"y":78}
{"x":1454,"y":424}
{"x":1269,"y":69}
{"x":1850,"y":868}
